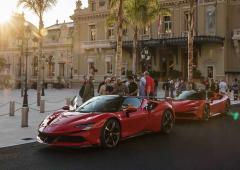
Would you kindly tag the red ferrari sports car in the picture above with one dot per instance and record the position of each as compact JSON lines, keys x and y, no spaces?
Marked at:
{"x":199,"y":105}
{"x":105,"y":120}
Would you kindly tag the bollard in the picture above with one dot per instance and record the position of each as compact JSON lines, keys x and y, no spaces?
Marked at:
{"x":25,"y":116}
{"x":42,"y":106}
{"x":12,"y":108}
{"x":68,"y":101}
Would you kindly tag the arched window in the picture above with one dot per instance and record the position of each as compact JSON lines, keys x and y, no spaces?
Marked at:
{"x":35,"y":66}
{"x":51,"y":66}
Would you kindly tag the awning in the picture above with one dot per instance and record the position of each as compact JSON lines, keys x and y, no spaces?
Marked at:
{"x":176,"y":41}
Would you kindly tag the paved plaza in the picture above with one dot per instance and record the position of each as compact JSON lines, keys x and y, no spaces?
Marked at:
{"x":11,"y":131}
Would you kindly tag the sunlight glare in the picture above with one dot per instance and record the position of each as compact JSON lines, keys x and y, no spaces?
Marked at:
{"x":5,"y":12}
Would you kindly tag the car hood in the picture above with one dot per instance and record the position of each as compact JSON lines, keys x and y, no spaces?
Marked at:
{"x":66,"y":122}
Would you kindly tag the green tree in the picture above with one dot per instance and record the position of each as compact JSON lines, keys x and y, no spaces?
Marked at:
{"x":39,"y":7}
{"x":140,"y":14}
{"x":190,"y":42}
{"x":116,"y":14}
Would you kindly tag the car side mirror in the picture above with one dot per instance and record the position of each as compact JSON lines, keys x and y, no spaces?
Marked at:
{"x":66,"y":107}
{"x":130,"y":110}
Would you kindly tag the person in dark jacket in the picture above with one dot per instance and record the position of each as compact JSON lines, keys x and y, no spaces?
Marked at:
{"x":89,"y":90}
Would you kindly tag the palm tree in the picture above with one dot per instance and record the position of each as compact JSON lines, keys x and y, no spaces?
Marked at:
{"x":39,"y":7}
{"x":117,"y":5}
{"x":140,"y":13}
{"x":190,"y":42}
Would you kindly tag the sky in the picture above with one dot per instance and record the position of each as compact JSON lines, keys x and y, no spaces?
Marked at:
{"x":61,"y":12}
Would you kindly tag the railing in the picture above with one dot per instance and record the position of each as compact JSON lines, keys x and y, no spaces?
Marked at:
{"x":165,"y":35}
{"x":184,"y":33}
{"x":96,"y":44}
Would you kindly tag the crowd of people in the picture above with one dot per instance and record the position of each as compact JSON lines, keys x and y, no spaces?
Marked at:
{"x":146,"y":86}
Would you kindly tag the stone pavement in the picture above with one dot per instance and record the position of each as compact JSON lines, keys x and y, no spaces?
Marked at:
{"x":11,"y":132}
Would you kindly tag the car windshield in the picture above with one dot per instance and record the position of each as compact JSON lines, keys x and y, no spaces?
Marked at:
{"x":101,"y":104}
{"x":191,"y":95}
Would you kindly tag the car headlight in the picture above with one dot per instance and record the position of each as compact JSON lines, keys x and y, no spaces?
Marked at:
{"x":85,"y":126}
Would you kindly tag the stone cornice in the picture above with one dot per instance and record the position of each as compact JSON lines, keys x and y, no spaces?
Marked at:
{"x":89,"y":16}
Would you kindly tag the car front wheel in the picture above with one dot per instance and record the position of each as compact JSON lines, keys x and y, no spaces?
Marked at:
{"x":110,"y":135}
{"x":167,"y":121}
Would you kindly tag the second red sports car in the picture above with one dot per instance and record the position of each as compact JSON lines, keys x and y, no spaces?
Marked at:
{"x":105,"y":120}
{"x":199,"y":105}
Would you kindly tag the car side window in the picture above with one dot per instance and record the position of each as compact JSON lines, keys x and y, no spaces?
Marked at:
{"x":131,"y":101}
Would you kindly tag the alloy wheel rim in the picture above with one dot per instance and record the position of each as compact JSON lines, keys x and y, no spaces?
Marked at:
{"x":167,"y":121}
{"x":112,"y":134}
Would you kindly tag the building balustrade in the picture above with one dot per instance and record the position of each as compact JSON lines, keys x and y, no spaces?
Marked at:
{"x":96,"y":44}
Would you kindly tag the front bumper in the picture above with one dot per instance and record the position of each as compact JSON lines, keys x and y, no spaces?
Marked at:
{"x":80,"y":139}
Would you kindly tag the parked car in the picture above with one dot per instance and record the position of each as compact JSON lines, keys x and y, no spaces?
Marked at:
{"x":105,"y":120}
{"x":199,"y":105}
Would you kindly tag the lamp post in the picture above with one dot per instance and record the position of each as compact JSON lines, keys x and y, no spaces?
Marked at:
{"x":43,"y":81}
{"x":20,"y":45}
{"x":27,"y":34}
{"x":146,"y":58}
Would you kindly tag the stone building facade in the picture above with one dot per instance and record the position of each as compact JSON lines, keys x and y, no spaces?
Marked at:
{"x":56,"y":63}
{"x":216,"y":44}
{"x":88,"y":45}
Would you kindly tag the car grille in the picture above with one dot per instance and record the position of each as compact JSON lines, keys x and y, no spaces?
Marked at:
{"x":65,"y":139}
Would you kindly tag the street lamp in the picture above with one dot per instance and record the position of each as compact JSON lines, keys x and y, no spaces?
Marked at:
{"x":27,"y":35}
{"x":44,"y":59}
{"x":20,"y":45}
{"x":146,"y":58}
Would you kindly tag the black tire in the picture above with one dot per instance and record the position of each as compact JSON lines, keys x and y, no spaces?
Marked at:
{"x":206,"y":113}
{"x":110,"y":134}
{"x":167,"y":122}
{"x":227,"y":107}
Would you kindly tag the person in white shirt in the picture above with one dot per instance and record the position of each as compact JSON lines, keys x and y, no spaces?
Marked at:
{"x":223,"y":87}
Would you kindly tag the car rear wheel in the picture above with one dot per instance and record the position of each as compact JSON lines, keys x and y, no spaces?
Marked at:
{"x":206,"y":113}
{"x":110,"y":135}
{"x":167,"y":121}
{"x":227,"y":107}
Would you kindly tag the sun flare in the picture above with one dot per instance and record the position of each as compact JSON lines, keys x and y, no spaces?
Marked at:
{"x":6,"y":11}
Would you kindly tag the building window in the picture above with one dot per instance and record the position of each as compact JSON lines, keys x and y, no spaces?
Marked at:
{"x":167,"y":24}
{"x":211,"y":20}
{"x":92,"y":32}
{"x":35,"y":66}
{"x":210,"y":72}
{"x":91,"y":68}
{"x":61,"y":69}
{"x":110,"y":33}
{"x":109,"y":67}
{"x":186,"y":17}
{"x":51,"y":67}
{"x":93,"y":6}
{"x":146,"y":30}
{"x":101,"y":3}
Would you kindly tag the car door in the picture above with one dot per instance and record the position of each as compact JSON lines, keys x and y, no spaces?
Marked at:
{"x":134,"y":122}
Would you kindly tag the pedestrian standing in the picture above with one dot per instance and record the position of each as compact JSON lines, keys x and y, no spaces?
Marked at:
{"x":223,"y":87}
{"x":166,"y":87}
{"x":142,"y":84}
{"x":235,"y":89}
{"x":119,"y":88}
{"x":102,"y":83}
{"x":155,"y":87}
{"x":132,"y":87}
{"x":212,"y":85}
{"x":149,"y":88}
{"x":172,"y":88}
{"x":89,"y":89}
